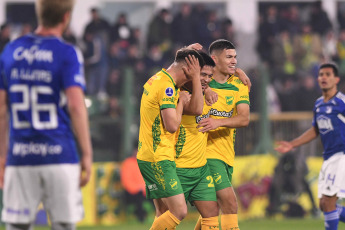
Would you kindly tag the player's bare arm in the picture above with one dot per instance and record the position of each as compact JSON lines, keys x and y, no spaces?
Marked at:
{"x":243,"y":77}
{"x":3,"y":134}
{"x":196,"y":103}
{"x":79,"y":118}
{"x":238,"y":121}
{"x":172,"y":117}
{"x":307,"y":136}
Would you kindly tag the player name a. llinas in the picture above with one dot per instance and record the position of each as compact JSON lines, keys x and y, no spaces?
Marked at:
{"x":31,"y":75}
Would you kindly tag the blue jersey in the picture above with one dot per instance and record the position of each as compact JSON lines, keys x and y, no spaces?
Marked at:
{"x":329,"y":120}
{"x":35,"y":71}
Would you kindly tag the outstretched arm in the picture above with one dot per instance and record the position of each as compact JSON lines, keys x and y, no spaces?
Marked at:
{"x":307,"y":136}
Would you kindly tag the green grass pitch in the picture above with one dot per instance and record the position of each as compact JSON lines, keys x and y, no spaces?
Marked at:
{"x":261,"y":224}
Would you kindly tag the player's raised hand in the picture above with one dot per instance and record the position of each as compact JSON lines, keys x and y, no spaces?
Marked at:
{"x":86,"y":168}
{"x":192,"y":70}
{"x":184,"y":97}
{"x":244,"y":78}
{"x":211,"y":97}
{"x":284,"y":147}
{"x":208,"y":124}
{"x":195,"y":46}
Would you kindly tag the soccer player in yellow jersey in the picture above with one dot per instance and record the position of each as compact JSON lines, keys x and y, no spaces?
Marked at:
{"x":231,"y":111}
{"x":191,"y":163}
{"x":160,"y":117}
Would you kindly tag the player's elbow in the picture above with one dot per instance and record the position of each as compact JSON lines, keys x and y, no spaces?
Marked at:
{"x":171,"y":128}
{"x":245,"y":122}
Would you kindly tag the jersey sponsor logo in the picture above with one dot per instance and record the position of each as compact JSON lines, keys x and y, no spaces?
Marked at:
{"x":152,"y":187}
{"x":170,"y":99}
{"x":229,"y":100}
{"x":173,"y":184}
{"x":324,"y":124}
{"x":169,"y":91}
{"x":201,"y":117}
{"x":33,"y":54}
{"x":217,"y":113}
{"x":43,"y":149}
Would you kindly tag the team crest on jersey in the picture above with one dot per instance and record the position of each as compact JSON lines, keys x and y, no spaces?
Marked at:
{"x":229,"y":100}
{"x":325,"y":124}
{"x":169,"y":91}
{"x":173,"y":184}
{"x":328,"y":109}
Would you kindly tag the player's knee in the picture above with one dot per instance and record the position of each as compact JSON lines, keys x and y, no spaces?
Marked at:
{"x":63,"y":226}
{"x":181,"y":213}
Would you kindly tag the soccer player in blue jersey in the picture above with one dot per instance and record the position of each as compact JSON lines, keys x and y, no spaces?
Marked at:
{"x":329,"y":123}
{"x":41,"y":85}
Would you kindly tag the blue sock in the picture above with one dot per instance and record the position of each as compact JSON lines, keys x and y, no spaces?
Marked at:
{"x":331,"y":220}
{"x":341,"y":211}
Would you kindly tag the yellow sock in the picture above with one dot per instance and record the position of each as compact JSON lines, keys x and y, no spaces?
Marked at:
{"x":210,"y":223}
{"x":198,"y":224}
{"x":229,"y":222}
{"x":167,"y":221}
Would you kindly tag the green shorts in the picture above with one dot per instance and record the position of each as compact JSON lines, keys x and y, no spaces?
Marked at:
{"x":197,"y":184}
{"x":160,"y":178}
{"x":221,"y":173}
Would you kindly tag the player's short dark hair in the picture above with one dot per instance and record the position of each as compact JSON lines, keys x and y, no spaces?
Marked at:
{"x":182,"y":53}
{"x":207,"y":59}
{"x":220,"y":45}
{"x":331,"y":65}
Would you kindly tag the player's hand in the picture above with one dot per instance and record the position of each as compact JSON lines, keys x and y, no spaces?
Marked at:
{"x":244,"y":78}
{"x":184,"y":97}
{"x":86,"y":167}
{"x":284,"y":147}
{"x":195,"y":46}
{"x":192,"y":70}
{"x":208,"y":124}
{"x":211,"y":97}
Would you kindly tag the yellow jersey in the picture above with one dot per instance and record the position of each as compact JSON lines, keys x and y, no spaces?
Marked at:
{"x":221,"y":141}
{"x":155,"y":142}
{"x":190,"y":143}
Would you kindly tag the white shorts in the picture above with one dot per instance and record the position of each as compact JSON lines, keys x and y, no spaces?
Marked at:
{"x":332,"y":176}
{"x":56,"y":186}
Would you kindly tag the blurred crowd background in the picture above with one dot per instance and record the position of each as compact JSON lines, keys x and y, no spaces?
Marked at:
{"x":291,"y":40}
